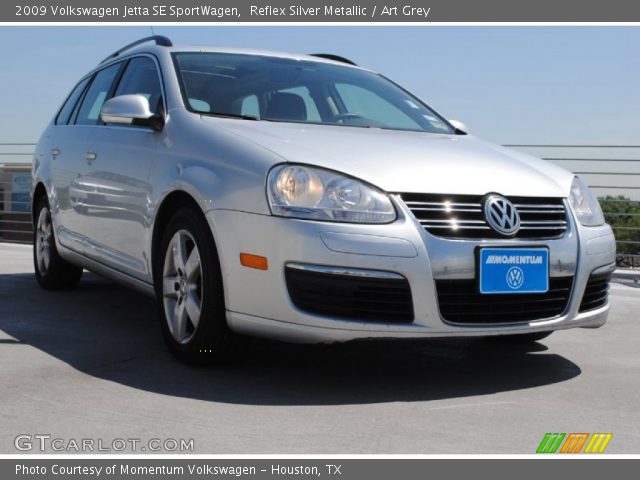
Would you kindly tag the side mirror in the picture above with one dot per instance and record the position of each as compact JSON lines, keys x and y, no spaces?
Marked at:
{"x":459,"y":126}
{"x":130,"y":110}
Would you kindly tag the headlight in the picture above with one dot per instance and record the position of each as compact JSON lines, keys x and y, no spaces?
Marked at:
{"x":316,"y":194}
{"x":585,"y":205}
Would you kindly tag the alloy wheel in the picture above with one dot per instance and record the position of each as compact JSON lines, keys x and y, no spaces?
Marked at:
{"x":44,"y":238}
{"x":182,"y":286}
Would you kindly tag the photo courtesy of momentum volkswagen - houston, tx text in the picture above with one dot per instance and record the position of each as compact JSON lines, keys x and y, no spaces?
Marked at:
{"x":308,"y":199}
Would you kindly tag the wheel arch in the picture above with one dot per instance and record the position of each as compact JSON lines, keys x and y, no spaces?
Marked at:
{"x":39,"y":191}
{"x":170,"y":204}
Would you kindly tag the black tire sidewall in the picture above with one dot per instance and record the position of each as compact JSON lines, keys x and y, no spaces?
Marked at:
{"x":60,"y":275}
{"x":212,"y":338}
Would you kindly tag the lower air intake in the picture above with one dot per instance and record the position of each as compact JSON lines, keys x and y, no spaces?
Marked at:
{"x":355,"y":297}
{"x":596,"y":293}
{"x":460,"y":302}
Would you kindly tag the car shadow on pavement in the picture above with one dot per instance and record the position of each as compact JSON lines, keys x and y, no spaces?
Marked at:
{"x":110,"y":332}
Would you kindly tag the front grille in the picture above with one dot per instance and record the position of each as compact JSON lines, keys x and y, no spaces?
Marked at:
{"x":460,"y":302}
{"x":462,"y":216}
{"x":596,"y":293}
{"x":351,"y":297}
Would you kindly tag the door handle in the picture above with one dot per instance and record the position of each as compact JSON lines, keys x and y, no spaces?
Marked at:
{"x":55,"y":152}
{"x":91,"y":156}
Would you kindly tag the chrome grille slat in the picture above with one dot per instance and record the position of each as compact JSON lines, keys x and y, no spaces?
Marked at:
{"x":453,"y":221}
{"x":543,"y":222}
{"x":523,"y":211}
{"x":462,"y":216}
{"x":459,"y":228}
{"x":443,"y":204}
{"x":535,"y":205}
{"x":447,"y":210}
{"x":544,"y":228}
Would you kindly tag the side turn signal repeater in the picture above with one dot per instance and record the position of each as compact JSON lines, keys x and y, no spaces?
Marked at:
{"x":254,"y":261}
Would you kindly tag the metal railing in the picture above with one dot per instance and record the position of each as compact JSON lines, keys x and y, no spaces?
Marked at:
{"x":15,"y":185}
{"x":612,"y":171}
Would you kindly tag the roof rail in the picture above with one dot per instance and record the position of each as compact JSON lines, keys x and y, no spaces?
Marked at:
{"x":335,"y":58}
{"x":158,"y":39}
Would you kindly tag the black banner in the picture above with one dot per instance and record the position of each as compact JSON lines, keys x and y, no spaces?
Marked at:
{"x":342,"y":469}
{"x":363,"y":11}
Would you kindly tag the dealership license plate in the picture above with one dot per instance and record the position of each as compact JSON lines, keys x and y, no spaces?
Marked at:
{"x":513,"y":270}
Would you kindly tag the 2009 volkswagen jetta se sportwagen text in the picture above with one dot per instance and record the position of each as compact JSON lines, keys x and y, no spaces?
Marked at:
{"x":306,"y":199}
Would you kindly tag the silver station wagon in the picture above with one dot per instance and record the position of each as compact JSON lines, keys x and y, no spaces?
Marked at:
{"x":304,"y":198}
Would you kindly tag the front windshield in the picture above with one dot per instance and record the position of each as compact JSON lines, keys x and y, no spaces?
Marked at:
{"x":277,"y":89}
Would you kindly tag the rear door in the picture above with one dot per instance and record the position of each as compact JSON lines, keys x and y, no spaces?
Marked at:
{"x":67,"y":146}
{"x":62,"y":150}
{"x":74,"y":147}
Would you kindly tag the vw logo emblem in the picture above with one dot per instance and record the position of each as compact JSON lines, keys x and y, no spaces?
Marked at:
{"x":515,"y":277}
{"x":501,"y":215}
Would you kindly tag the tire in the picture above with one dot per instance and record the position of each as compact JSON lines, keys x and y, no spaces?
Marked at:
{"x":191,"y":298}
{"x":52,"y":271}
{"x":523,"y":338}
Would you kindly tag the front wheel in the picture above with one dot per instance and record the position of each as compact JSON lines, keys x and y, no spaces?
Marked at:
{"x":189,"y":290}
{"x":52,"y":271}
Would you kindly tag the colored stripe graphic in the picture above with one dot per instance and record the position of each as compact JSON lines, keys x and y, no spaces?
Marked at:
{"x":598,"y":443}
{"x":550,"y":442}
{"x":574,"y":443}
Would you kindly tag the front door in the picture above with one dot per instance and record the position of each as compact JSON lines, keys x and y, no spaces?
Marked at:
{"x":119,"y":173}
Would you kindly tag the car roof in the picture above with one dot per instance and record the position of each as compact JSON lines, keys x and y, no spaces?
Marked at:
{"x":231,"y":50}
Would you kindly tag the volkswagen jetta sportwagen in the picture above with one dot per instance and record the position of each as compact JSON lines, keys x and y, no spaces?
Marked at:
{"x":304,"y":198}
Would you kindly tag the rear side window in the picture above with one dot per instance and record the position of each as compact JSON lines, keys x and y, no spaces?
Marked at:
{"x":67,"y":109}
{"x":95,"y":97}
{"x":141,"y":78}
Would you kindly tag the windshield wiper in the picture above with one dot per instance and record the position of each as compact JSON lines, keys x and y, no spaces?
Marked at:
{"x":230,"y":115}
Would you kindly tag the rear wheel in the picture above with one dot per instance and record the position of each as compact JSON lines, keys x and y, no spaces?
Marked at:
{"x":52,"y":271}
{"x":190,"y":294}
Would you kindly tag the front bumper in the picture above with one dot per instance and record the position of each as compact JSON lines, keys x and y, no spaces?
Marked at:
{"x":258,"y":302}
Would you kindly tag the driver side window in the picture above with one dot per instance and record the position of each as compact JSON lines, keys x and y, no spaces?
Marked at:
{"x":364,"y":103}
{"x":89,"y":113}
{"x":141,"y":78}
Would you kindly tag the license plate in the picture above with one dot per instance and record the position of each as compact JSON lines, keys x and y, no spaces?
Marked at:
{"x":513,"y":270}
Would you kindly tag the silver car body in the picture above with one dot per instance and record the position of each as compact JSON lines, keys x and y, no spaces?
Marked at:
{"x":106,"y":184}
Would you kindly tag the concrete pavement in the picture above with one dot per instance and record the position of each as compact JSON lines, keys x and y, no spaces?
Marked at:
{"x":91,"y":364}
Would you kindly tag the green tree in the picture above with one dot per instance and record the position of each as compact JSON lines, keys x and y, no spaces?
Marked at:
{"x":623,"y":214}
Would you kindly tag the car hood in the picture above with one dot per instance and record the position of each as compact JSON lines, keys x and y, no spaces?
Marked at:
{"x":403,"y":161}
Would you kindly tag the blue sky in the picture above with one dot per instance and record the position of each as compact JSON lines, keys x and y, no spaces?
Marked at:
{"x":508,"y":84}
